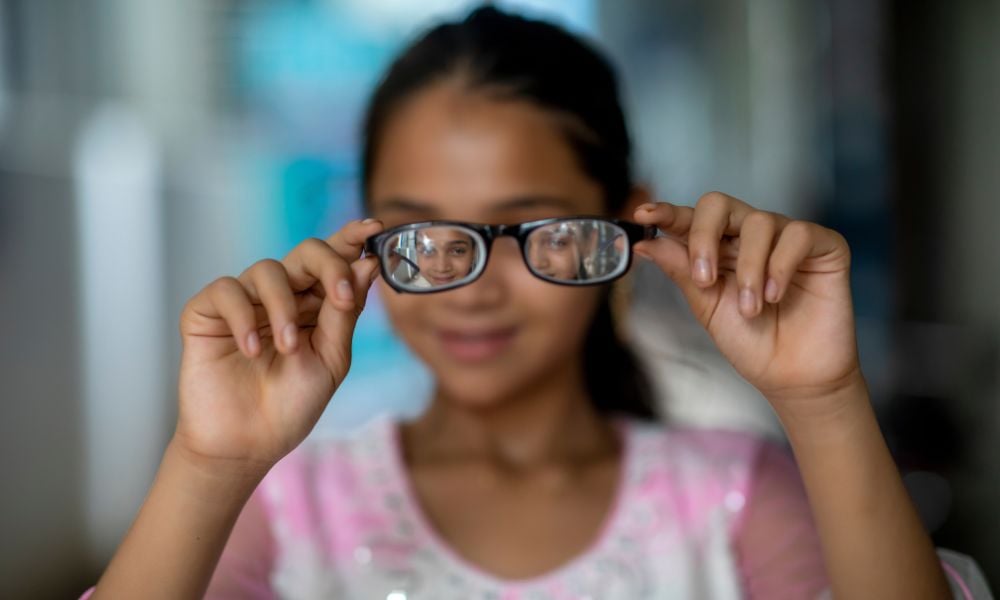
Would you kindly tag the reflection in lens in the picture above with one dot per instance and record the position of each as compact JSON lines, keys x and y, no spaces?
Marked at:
{"x":582,"y":250}
{"x":554,"y":251}
{"x":432,"y":257}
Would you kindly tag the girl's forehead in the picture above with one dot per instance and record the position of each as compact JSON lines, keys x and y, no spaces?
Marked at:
{"x":454,"y":155}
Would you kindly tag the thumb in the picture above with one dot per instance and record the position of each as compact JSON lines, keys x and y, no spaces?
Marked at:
{"x":365,"y":271}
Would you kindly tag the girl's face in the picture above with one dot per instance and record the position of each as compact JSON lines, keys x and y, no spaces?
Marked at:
{"x":555,"y":253}
{"x":450,"y":154}
{"x":444,"y":254}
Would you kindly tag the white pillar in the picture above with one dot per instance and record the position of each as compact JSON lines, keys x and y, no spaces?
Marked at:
{"x":116,"y":170}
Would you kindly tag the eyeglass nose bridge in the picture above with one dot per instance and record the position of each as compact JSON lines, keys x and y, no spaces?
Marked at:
{"x":491,"y":233}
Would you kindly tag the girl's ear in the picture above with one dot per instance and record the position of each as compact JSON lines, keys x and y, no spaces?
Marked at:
{"x":640,"y":195}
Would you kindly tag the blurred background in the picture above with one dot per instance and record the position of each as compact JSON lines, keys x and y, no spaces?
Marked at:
{"x":148,"y":147}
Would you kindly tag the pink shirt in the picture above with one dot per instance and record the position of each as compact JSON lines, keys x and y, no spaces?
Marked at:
{"x":697,"y":514}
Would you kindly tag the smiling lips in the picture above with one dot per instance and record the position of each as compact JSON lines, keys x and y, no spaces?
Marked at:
{"x":440,"y":279}
{"x":479,"y":346}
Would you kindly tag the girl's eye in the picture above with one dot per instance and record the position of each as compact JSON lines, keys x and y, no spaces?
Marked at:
{"x":558,"y":242}
{"x":426,"y":250}
{"x":459,"y":251}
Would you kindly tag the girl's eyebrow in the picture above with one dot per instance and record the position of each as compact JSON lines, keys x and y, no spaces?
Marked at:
{"x":529,"y":202}
{"x":409,"y":205}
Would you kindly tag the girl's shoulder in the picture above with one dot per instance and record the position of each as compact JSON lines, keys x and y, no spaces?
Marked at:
{"x":706,"y":470}
{"x":329,"y":461}
{"x":695,"y":449}
{"x":327,"y":496}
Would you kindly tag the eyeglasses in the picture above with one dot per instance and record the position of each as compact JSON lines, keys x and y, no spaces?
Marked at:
{"x":435,"y":256}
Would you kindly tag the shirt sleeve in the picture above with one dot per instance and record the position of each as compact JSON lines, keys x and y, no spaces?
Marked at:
{"x":777,"y":545}
{"x":778,"y":548}
{"x":964,"y":576}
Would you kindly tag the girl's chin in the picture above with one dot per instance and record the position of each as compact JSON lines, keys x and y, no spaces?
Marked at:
{"x":475,"y":393}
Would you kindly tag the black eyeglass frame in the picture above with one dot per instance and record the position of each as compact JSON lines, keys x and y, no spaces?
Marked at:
{"x":519,"y":231}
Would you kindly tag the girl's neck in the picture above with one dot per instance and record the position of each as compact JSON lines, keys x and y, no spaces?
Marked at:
{"x":552,"y":421}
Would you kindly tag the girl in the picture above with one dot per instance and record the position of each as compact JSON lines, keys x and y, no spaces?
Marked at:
{"x":537,"y":471}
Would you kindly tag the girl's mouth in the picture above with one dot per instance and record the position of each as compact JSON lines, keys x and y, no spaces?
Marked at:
{"x":476,"y":346}
{"x":440,"y":279}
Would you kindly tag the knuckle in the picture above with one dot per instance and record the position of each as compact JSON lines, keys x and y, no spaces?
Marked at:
{"x":264,"y":271}
{"x":700,"y":238}
{"x":799,"y":230}
{"x":322,"y":257}
{"x":759,"y":219}
{"x":314,"y":245}
{"x":336,"y":265}
{"x":188,"y":308}
{"x":841,"y":240}
{"x":267,"y":265}
{"x":713,"y":198}
{"x":777,"y":271}
{"x":221,"y":284}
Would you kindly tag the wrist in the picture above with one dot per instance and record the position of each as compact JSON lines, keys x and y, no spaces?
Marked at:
{"x":213,"y":478}
{"x":826,"y":414}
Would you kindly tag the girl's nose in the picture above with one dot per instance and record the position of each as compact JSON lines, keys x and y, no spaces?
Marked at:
{"x":537,"y":257}
{"x":490,"y":289}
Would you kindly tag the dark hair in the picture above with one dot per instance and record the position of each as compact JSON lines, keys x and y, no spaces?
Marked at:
{"x":509,"y":56}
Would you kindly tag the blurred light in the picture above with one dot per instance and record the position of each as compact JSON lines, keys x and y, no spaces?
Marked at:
{"x":932,"y":495}
{"x":116,"y":172}
{"x":407,"y":15}
{"x":3,"y":64}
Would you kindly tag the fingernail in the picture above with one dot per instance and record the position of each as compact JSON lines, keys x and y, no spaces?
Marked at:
{"x":290,"y":336}
{"x":647,"y":206}
{"x":253,"y":342}
{"x":702,"y":270}
{"x":344,"y":290}
{"x":748,"y":303}
{"x":369,"y":221}
{"x":771,"y":290}
{"x":642,"y":253}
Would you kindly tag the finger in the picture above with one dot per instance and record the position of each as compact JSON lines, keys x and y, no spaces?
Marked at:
{"x":335,"y":327}
{"x":315,"y":261}
{"x":672,"y":257}
{"x":755,"y":242}
{"x":308,"y":307}
{"x":350,"y":239}
{"x":715,"y":215}
{"x":267,"y":282}
{"x":799,"y":243}
{"x":365,"y":270}
{"x":226,"y":299}
{"x":669,"y":218}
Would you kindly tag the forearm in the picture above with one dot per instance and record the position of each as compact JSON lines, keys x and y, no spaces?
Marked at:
{"x":173,"y":546}
{"x":873,"y":541}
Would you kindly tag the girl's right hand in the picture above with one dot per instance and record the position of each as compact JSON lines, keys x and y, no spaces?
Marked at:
{"x":264,"y":352}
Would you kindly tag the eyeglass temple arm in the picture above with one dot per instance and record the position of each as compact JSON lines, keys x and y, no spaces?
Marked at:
{"x":638,"y":233}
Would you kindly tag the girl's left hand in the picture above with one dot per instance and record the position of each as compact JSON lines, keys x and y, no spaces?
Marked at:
{"x":773,"y":293}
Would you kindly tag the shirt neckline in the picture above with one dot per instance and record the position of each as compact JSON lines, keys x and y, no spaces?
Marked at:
{"x":423,"y":528}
